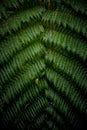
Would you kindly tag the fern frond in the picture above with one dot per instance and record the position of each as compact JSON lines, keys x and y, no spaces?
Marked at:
{"x":18,"y":85}
{"x":43,"y":75}
{"x":15,"y":43}
{"x":32,"y":112}
{"x":64,"y":86}
{"x":17,"y":63}
{"x":16,"y":3}
{"x":68,"y":18}
{"x":70,"y":67}
{"x":15,"y":22}
{"x":12,"y":3}
{"x":24,"y":101}
{"x":9,"y":4}
{"x":69,"y":42}
{"x":78,"y":5}
{"x":61,"y":105}
{"x":55,"y":116}
{"x":5,"y":6}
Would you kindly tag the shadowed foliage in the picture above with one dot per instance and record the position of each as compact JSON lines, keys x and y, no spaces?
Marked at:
{"x":43,"y":59}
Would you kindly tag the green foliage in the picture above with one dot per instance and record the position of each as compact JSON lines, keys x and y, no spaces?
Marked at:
{"x":67,"y":17}
{"x":15,"y":22}
{"x":70,"y":67}
{"x":20,"y":59}
{"x":43,"y":58}
{"x":67,"y":40}
{"x":78,"y":5}
{"x":68,"y":90}
{"x":16,"y":42}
